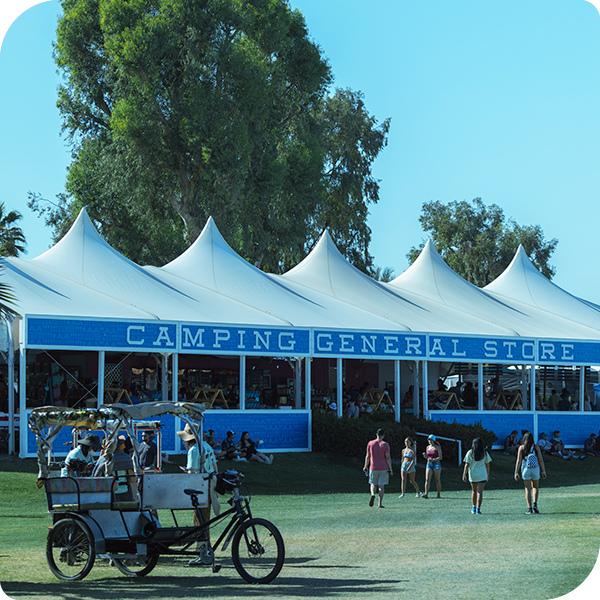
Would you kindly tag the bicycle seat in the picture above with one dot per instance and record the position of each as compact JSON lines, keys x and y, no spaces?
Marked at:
{"x":190,"y":492}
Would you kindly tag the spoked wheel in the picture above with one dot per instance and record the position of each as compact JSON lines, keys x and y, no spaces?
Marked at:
{"x":70,"y":550}
{"x":257,"y":551}
{"x":136,"y":567}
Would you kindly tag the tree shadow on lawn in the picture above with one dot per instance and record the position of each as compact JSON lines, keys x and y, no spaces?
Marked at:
{"x":211,"y":586}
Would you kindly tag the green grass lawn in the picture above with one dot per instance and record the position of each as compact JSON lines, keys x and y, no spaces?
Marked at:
{"x":338,"y":547}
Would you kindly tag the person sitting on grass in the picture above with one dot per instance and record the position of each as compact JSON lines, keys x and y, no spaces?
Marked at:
{"x":559,"y":448}
{"x":247,"y":449}
{"x":589,"y":446}
{"x":545,"y":444}
{"x":228,"y":448}
{"x":510,"y":443}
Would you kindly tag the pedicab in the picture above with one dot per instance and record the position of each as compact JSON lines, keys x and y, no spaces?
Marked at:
{"x":92,"y":520}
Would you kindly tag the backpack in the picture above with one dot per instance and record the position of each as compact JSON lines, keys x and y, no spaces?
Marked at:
{"x":531,"y":460}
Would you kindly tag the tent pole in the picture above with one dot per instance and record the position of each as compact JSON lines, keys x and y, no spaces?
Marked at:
{"x":397,"y":390}
{"x":416,"y":389}
{"x":307,"y":383}
{"x":242,"y":384}
{"x":480,"y":386}
{"x":425,"y":389}
{"x":22,"y":392}
{"x":298,"y":382}
{"x":101,"y":372}
{"x":532,"y":394}
{"x":340,"y":384}
{"x":581,"y":389}
{"x":164,"y":381}
{"x":175,"y":377}
{"x":11,"y":389}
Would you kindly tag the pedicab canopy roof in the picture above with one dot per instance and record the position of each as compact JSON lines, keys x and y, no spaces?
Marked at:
{"x":47,"y":421}
{"x":83,"y":294}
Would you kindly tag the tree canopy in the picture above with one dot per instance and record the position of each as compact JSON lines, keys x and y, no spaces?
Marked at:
{"x":182,"y":109}
{"x":478,"y":242}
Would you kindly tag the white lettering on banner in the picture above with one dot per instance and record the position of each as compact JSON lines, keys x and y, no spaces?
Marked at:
{"x":327,"y":347}
{"x":509,"y":345}
{"x":241,"y":333}
{"x":344,"y":339}
{"x":491,"y":349}
{"x":437,"y":347}
{"x":413,"y":343}
{"x":455,"y":351}
{"x":389,"y":340}
{"x":530,"y":345}
{"x":221,"y":335}
{"x":130,"y":340}
{"x":546,"y":351}
{"x":366,"y":343}
{"x":291,"y":342}
{"x":265,"y":342}
{"x":163,"y":336}
{"x":189,"y":340}
{"x":566,"y":355}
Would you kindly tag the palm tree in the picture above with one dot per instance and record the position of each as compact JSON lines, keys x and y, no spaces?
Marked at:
{"x":12,"y":238}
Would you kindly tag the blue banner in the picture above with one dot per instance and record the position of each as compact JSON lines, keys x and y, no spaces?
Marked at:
{"x":369,"y":344}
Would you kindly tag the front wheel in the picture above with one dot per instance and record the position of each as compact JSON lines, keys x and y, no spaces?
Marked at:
{"x":70,"y":549}
{"x":257,"y":551}
{"x":136,"y":567}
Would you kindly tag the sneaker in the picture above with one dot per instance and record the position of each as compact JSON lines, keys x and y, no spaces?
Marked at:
{"x":371,"y":500}
{"x":529,"y":511}
{"x":478,"y":511}
{"x":196,"y":562}
{"x":535,"y":509}
{"x":270,"y":459}
{"x":473,"y":510}
{"x":401,"y":495}
{"x":418,"y":495}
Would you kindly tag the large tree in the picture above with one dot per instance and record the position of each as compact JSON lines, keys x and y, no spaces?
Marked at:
{"x":477,"y":241}
{"x":182,"y":109}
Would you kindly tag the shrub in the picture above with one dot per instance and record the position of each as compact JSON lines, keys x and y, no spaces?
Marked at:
{"x":350,"y":436}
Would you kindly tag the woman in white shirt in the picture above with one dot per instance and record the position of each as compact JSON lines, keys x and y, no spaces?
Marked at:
{"x":477,"y":466}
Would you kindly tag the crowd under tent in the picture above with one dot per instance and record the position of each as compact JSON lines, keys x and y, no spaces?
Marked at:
{"x":263,"y":351}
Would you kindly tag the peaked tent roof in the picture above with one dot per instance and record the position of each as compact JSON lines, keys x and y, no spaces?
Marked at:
{"x":429,"y":276}
{"x":327,"y":270}
{"x":521,"y":281}
{"x":211,"y":262}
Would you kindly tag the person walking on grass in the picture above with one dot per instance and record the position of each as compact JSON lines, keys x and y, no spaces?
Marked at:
{"x":477,"y":467}
{"x":378,"y":464}
{"x":409,"y":466}
{"x":530,"y":463}
{"x":433,"y":454}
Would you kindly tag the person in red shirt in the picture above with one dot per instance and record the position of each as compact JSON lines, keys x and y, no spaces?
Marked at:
{"x":378,"y":464}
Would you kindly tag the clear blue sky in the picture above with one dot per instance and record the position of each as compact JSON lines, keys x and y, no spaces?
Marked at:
{"x":497,"y":100}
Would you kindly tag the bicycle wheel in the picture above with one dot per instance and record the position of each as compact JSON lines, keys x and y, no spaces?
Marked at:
{"x":70,"y":550}
{"x":136,"y":567}
{"x":257,"y":551}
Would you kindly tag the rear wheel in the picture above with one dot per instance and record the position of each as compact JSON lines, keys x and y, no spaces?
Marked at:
{"x":70,"y":550}
{"x":136,"y":567}
{"x":258,"y":551}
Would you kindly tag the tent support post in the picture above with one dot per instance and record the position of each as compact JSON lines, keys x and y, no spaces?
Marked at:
{"x":425,"y":389}
{"x":416,"y":389}
{"x":242,"y":398}
{"x":298,"y":382}
{"x":479,"y":386}
{"x":164,"y":383}
{"x":532,"y":394}
{"x":101,"y":371}
{"x":11,"y":389}
{"x":397,"y":390}
{"x":581,"y":389}
{"x":22,"y":392}
{"x":340,"y":383}
{"x":307,"y":383}
{"x":523,"y":370}
{"x":175,"y":377}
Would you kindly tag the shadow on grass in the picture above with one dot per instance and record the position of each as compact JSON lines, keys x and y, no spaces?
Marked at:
{"x":213,"y":587}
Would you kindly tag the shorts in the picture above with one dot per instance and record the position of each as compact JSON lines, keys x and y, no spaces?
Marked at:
{"x":404,"y":467}
{"x":530,"y":473}
{"x":379,"y":477}
{"x":434,"y":465}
